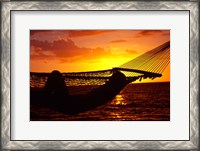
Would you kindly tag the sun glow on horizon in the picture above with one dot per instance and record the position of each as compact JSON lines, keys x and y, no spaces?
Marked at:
{"x":91,"y":50}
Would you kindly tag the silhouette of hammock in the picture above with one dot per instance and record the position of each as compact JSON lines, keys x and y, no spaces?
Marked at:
{"x":148,"y":65}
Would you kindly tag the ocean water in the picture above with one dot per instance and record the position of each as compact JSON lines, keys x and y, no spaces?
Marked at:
{"x":136,"y":102}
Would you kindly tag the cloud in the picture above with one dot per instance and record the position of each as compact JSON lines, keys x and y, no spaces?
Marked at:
{"x":166,"y":33}
{"x":64,"y":51}
{"x":118,"y":41}
{"x":81,"y":33}
{"x":71,"y":33}
{"x":34,"y":32}
{"x":131,"y":51}
{"x":151,"y":32}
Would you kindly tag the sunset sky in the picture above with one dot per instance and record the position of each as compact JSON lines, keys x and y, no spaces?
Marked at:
{"x":91,"y":50}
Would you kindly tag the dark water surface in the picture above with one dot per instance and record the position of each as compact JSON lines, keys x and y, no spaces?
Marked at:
{"x":136,"y":102}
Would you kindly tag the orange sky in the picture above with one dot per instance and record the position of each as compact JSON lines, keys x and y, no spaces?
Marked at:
{"x":90,"y":50}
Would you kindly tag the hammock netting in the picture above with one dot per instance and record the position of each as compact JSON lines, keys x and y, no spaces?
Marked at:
{"x":148,"y":65}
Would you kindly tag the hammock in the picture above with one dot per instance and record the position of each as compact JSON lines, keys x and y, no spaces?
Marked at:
{"x":110,"y":82}
{"x":148,"y":65}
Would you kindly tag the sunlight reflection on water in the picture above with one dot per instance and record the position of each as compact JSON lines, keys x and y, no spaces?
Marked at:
{"x":144,"y":102}
{"x":119,"y":100}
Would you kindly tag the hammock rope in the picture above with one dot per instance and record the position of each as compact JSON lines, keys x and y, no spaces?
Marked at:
{"x":148,"y":65}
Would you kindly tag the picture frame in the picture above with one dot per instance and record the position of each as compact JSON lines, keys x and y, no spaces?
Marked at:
{"x":7,"y":7}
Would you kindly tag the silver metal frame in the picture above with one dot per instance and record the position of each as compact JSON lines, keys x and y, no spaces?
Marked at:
{"x":6,"y":8}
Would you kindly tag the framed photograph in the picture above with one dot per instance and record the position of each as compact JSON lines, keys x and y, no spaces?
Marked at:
{"x":100,"y":75}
